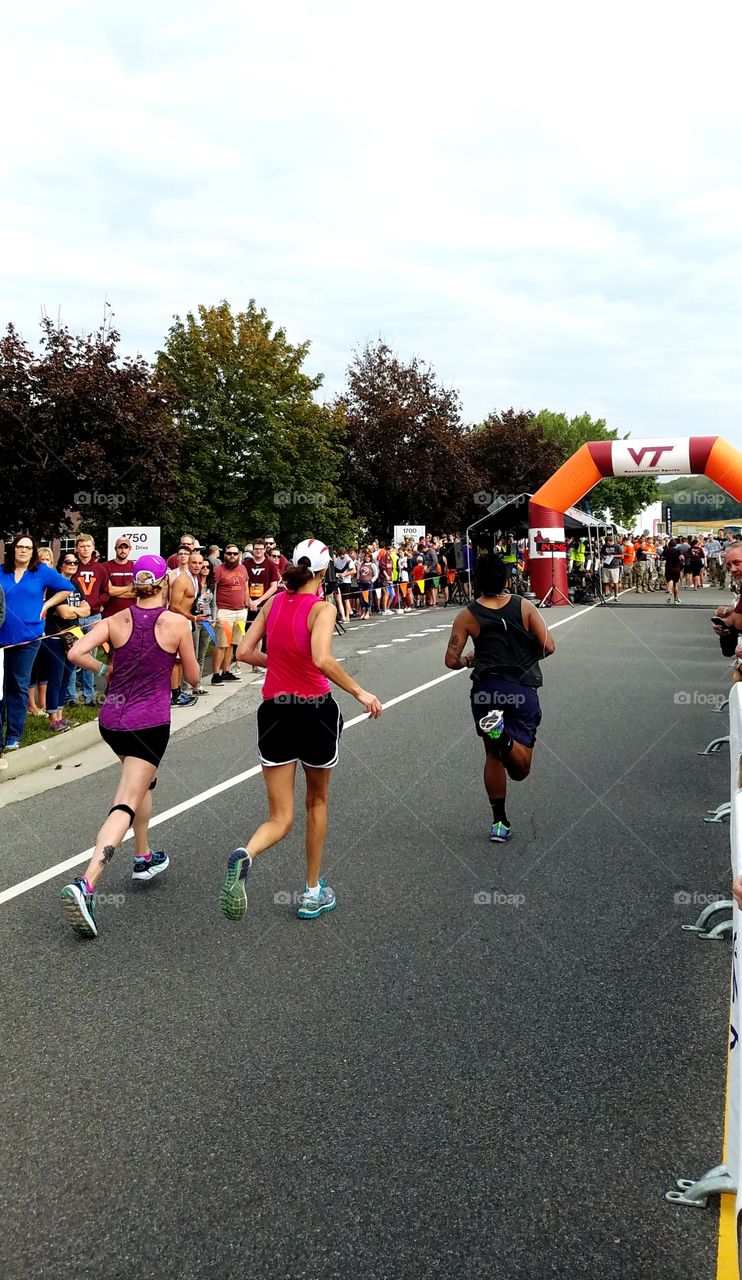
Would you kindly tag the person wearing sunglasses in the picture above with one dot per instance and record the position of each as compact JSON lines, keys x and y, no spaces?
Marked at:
{"x":25,"y":581}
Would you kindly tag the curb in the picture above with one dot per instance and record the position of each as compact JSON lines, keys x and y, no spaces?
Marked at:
{"x":48,"y":754}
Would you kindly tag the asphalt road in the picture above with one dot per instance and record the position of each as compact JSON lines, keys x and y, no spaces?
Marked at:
{"x":421,"y":1084}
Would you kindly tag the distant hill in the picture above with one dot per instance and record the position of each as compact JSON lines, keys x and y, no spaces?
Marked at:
{"x":698,"y":498}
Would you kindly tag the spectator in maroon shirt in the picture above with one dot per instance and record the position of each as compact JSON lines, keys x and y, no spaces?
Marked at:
{"x":92,"y":580}
{"x":270,"y":547}
{"x":188,"y":541}
{"x":120,"y":573}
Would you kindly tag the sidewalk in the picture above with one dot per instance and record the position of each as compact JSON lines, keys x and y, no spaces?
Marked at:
{"x":71,"y":745}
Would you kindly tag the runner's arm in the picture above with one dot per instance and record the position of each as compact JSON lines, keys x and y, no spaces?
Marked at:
{"x":323,"y":627}
{"x":457,"y":643}
{"x":187,"y":654}
{"x":535,"y":624}
{"x":81,"y":652}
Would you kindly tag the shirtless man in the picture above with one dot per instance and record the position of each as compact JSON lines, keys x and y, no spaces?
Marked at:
{"x":183,"y":596}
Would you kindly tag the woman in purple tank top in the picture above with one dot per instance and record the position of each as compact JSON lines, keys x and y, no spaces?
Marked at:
{"x":145,"y":640}
{"x":299,"y":722}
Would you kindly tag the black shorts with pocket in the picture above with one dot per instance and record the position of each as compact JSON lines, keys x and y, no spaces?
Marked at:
{"x":294,"y":729}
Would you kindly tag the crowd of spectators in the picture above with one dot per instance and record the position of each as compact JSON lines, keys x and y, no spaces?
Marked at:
{"x":218,"y":589}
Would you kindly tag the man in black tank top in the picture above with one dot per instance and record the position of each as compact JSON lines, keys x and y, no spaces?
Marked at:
{"x":510,"y":638}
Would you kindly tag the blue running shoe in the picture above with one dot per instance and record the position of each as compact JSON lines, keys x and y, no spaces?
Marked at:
{"x":148,"y":868}
{"x":233,"y":898}
{"x":500,"y":832}
{"x":312,"y":905}
{"x":79,"y":908}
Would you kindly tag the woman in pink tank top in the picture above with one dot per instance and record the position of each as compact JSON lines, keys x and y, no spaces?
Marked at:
{"x":299,"y":722}
{"x":135,"y":722}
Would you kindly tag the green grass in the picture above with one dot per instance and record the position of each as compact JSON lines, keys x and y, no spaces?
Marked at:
{"x":37,"y":727}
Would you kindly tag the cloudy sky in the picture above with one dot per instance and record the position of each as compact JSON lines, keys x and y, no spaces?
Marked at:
{"x":543,"y":201}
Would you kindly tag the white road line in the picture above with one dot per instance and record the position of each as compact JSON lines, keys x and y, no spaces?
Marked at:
{"x":24,"y":886}
{"x":359,"y":651}
{"x":401,"y":640}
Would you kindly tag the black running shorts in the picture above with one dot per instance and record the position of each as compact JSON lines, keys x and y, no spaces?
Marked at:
{"x":293,"y":729}
{"x":145,"y":744}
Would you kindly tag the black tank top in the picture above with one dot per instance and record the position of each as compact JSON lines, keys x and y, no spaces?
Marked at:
{"x":503,"y":647}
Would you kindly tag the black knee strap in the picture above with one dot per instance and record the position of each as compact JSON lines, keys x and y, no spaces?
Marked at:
{"x":124,"y":809}
{"x":152,"y":784}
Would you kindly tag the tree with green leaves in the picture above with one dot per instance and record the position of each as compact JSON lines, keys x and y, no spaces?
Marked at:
{"x":258,"y":453}
{"x":511,"y":455}
{"x":623,"y":497}
{"x":407,"y":453}
{"x":82,"y":431}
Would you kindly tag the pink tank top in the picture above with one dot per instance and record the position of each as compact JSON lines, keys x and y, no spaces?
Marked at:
{"x":289,"y":649}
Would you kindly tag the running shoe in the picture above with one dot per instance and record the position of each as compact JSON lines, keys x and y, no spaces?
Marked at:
{"x":12,"y":746}
{"x":229,"y":675}
{"x":500,"y":832}
{"x":233,"y":898}
{"x":312,"y":905}
{"x":218,"y":678}
{"x":79,"y":908}
{"x":186,"y":700}
{"x":148,"y":868}
{"x":493,"y":723}
{"x":678,"y":600}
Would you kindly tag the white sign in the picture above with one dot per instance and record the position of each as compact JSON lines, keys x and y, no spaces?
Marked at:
{"x":545,"y":543}
{"x":668,"y":457}
{"x":145,"y":541}
{"x":408,"y":533}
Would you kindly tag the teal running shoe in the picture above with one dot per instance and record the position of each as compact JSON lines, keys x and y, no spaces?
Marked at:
{"x":500,"y":832}
{"x":233,"y":898}
{"x":79,"y":909}
{"x":312,"y":905}
{"x":148,"y":868}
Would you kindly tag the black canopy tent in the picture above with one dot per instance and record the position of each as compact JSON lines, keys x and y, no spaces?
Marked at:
{"x":512,"y":517}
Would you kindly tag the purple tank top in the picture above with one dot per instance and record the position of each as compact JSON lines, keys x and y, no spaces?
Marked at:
{"x":139,"y":692}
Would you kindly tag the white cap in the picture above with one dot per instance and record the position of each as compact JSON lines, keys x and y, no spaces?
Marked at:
{"x":315,"y":552}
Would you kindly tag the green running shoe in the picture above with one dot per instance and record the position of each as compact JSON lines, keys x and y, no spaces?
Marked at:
{"x":493,"y":724}
{"x":233,"y":899}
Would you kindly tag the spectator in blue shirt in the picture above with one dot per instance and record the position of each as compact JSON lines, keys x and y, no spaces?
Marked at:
{"x":24,"y":581}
